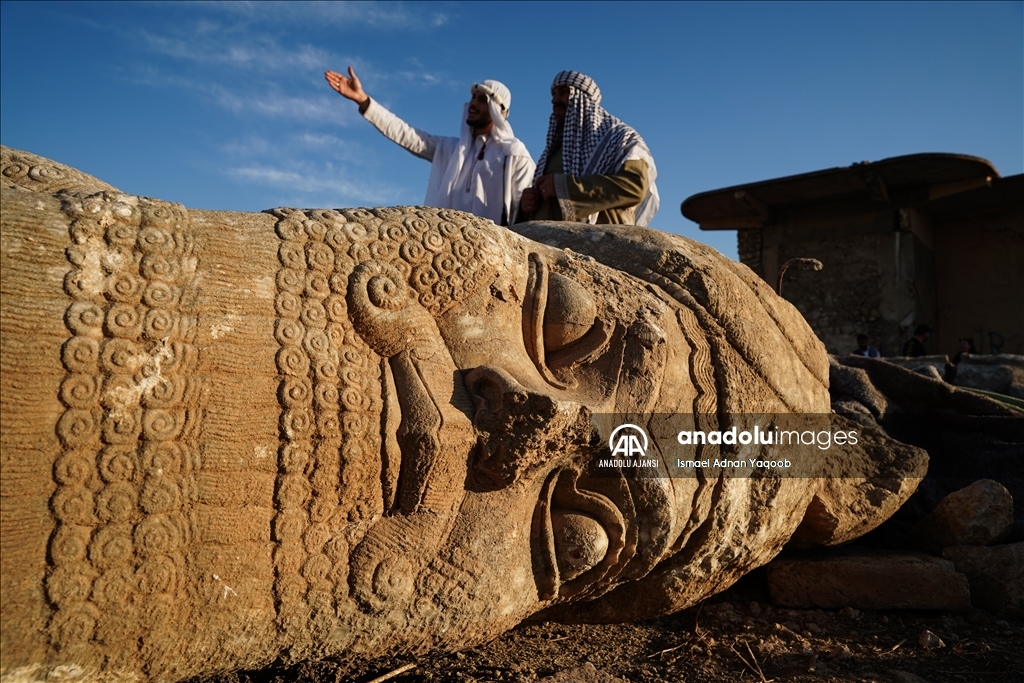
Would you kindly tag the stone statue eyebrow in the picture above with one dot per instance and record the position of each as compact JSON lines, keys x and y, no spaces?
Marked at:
{"x":533,"y":317}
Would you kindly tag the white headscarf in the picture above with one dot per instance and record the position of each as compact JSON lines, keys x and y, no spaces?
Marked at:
{"x":499,"y":101}
{"x":595,"y":142}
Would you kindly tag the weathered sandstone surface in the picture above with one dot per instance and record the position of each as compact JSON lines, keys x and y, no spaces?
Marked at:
{"x":230,"y":439}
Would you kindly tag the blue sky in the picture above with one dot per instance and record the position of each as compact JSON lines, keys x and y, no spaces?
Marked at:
{"x":224,"y":106}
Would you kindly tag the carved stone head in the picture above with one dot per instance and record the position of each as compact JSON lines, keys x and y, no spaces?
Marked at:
{"x":235,"y":438}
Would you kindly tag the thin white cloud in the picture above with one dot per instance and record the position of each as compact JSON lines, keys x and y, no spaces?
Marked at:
{"x":262,"y":57}
{"x":246,"y":71}
{"x":262,"y":99}
{"x":322,"y":145}
{"x":342,"y":15}
{"x":340,"y":149}
{"x":314,"y":108}
{"x":249,"y":52}
{"x":308,"y":183}
{"x":248,"y":147}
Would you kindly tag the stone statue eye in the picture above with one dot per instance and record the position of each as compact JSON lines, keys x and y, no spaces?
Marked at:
{"x":581,"y":537}
{"x":560,"y":323}
{"x":569,"y":314}
{"x":580,"y":543}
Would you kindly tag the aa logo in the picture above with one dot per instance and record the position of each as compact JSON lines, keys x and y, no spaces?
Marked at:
{"x":628,"y":440}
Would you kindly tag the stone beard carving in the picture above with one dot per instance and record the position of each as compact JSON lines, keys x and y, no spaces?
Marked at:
{"x":37,"y":174}
{"x":349,"y":433}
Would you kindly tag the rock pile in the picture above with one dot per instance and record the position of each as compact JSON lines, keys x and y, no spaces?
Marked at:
{"x":957,"y":542}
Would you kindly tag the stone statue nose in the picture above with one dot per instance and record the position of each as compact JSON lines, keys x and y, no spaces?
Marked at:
{"x":519,"y":430}
{"x":493,"y":390}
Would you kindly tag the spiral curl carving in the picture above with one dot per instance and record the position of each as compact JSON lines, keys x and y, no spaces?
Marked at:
{"x":294,"y":458}
{"x":158,"y":574}
{"x":127,"y":474}
{"x":161,"y":295}
{"x":318,"y":285}
{"x":164,"y":392}
{"x":124,"y":321}
{"x":74,"y":468}
{"x":290,"y":280}
{"x":123,"y":426}
{"x":73,"y":505}
{"x":317,"y":344}
{"x":117,"y":503}
{"x":66,"y":587}
{"x":80,"y":390}
{"x":313,"y":315}
{"x":112,"y":547}
{"x":81,"y":354}
{"x":165,"y":457}
{"x":116,"y":585}
{"x":288,"y":332}
{"x":124,"y":288}
{"x":69,"y":545}
{"x":288,"y":305}
{"x":85,"y":319}
{"x":159,"y":324}
{"x":118,"y":463}
{"x":155,"y":240}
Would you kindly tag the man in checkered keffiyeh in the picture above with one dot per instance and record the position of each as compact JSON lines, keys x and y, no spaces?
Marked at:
{"x":595,"y":168}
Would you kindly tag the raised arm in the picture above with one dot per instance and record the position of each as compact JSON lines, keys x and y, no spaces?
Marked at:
{"x":395,"y":129}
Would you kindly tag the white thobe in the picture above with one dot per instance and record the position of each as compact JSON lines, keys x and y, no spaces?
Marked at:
{"x":488,"y":185}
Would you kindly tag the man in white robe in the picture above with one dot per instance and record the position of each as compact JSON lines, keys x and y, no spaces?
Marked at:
{"x":483,"y":171}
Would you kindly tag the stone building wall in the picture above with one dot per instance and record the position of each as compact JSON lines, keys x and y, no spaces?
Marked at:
{"x":980,"y":281}
{"x":844,"y":298}
{"x":749,"y":243}
{"x":869,"y":283}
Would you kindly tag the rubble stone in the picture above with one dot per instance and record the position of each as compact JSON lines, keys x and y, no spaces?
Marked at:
{"x":975,"y":515}
{"x":995,"y":573}
{"x":868,"y":581}
{"x":1003,"y":373}
{"x":929,"y":640}
{"x":587,"y":673}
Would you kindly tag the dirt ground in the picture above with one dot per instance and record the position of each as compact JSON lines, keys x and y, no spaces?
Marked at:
{"x":735,"y":636}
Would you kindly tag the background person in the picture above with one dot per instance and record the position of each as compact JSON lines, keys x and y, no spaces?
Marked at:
{"x":914,"y":347}
{"x":864,"y":348}
{"x":966,"y":347}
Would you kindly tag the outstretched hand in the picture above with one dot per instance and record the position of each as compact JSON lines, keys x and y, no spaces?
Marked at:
{"x":348,"y":87}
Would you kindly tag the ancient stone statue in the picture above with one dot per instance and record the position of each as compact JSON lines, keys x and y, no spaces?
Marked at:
{"x":232,"y":438}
